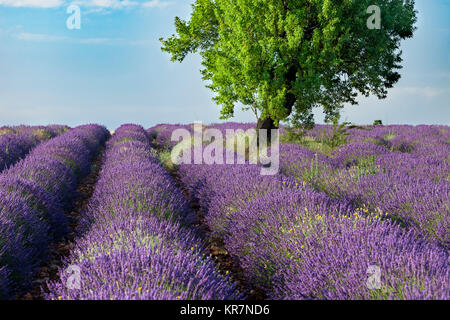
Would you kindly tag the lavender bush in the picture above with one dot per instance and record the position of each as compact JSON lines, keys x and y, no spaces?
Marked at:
{"x":136,"y":239}
{"x":365,"y":217}
{"x":277,"y":228}
{"x":402,"y":171}
{"x":33,"y":194}
{"x":16,"y":142}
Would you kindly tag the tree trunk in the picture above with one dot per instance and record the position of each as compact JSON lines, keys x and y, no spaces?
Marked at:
{"x":267,"y":124}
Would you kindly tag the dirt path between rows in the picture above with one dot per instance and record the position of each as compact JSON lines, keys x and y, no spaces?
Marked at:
{"x":57,"y":251}
{"x":228,"y":265}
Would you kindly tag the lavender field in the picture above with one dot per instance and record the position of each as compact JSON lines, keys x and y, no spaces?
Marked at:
{"x":361,"y":213}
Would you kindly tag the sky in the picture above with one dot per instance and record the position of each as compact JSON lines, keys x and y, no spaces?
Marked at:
{"x":112,"y":70}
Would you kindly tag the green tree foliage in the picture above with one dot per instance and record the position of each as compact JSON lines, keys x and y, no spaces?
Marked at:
{"x":283,"y":58}
{"x":378,"y":123}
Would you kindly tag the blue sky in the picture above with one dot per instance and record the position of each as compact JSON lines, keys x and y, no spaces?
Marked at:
{"x":112,"y":70}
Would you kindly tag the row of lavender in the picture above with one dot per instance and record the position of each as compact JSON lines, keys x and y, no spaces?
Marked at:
{"x":33,"y":194}
{"x":136,"y":237}
{"x":430,"y":140}
{"x":299,"y":243}
{"x":162,"y":134}
{"x":16,"y":142}
{"x":401,"y":171}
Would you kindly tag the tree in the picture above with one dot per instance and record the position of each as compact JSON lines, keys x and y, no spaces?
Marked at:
{"x":378,"y":123}
{"x":282,"y":58}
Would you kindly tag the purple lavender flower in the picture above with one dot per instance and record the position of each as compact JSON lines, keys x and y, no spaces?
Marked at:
{"x":136,"y":237}
{"x":33,"y":193}
{"x":16,"y":142}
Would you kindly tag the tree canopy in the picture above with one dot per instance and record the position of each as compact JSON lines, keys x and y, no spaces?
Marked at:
{"x":283,"y":58}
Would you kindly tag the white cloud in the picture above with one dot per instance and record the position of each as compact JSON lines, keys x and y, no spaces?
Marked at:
{"x":96,"y":10}
{"x":100,"y":4}
{"x":37,"y":37}
{"x":110,"y":4}
{"x":428,"y":92}
{"x":119,"y":4}
{"x":32,"y":3}
{"x":99,"y":41}
{"x":46,"y":38}
{"x":156,"y":4}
